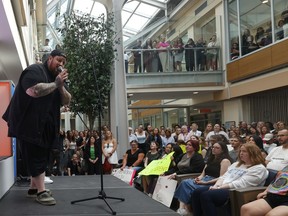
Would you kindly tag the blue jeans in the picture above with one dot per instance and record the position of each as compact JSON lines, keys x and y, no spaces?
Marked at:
{"x":205,"y":201}
{"x":184,"y":191}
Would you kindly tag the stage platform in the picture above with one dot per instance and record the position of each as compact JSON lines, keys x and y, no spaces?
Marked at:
{"x":70,"y":188}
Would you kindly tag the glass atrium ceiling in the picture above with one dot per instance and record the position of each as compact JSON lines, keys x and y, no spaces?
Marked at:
{"x":136,"y":14}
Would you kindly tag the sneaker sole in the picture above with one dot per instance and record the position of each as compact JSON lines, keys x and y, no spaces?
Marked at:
{"x":35,"y":195}
{"x":47,"y":203}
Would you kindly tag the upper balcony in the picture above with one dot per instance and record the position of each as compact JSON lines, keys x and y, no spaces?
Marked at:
{"x":193,"y":69}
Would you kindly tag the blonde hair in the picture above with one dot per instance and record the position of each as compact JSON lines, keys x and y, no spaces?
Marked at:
{"x":254,"y":154}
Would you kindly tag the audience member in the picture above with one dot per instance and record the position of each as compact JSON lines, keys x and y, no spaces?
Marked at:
{"x":235,"y":144}
{"x":277,"y":159}
{"x":212,"y":53}
{"x":234,"y":54}
{"x":152,"y":154}
{"x":162,"y":52}
{"x":248,"y":171}
{"x":245,"y":42}
{"x":273,"y":201}
{"x":189,"y":55}
{"x":109,"y":147}
{"x":74,"y":166}
{"x":190,"y":162}
{"x":137,"y":57}
{"x":91,"y":155}
{"x":251,"y":45}
{"x":133,"y":158}
{"x":269,"y":142}
{"x":178,"y":54}
{"x":216,"y":166}
{"x":147,"y":55}
{"x":200,"y":55}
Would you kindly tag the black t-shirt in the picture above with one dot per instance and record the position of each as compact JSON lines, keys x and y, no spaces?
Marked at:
{"x":73,"y":168}
{"x":132,"y":158}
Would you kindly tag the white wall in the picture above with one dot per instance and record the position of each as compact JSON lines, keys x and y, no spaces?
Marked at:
{"x":6,"y":175}
{"x":233,"y":110}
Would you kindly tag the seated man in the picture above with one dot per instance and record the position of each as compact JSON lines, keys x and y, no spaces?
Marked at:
{"x":273,"y":201}
{"x":277,"y":159}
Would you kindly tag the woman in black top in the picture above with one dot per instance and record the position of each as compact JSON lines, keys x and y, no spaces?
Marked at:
{"x":190,"y":162}
{"x":133,"y":157}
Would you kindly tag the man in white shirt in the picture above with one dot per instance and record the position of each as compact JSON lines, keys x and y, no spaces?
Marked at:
{"x":277,"y":159}
{"x":269,"y":145}
{"x":216,"y":131}
{"x":132,"y":136}
{"x":194,"y":130}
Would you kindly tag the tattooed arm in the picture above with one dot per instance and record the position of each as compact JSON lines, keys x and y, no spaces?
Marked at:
{"x":65,"y":96}
{"x":43,"y":89}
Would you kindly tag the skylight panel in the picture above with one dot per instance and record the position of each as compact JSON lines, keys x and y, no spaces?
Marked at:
{"x":146,"y":10}
{"x":83,"y":6}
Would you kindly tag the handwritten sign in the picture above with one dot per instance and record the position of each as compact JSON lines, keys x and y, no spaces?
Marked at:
{"x":164,"y":190}
{"x":125,"y":175}
{"x":157,"y":167}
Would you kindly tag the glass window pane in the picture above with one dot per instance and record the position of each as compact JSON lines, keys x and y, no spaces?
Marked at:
{"x":83,"y":6}
{"x":146,"y":10}
{"x":233,"y":30}
{"x":255,"y":21}
{"x":136,"y":22}
{"x":281,"y":19}
{"x":98,"y":9}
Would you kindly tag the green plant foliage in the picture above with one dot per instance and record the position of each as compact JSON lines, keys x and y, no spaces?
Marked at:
{"x":89,"y":45}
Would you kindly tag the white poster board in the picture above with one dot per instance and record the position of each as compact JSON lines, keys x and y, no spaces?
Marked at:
{"x":125,"y":175}
{"x":164,"y":190}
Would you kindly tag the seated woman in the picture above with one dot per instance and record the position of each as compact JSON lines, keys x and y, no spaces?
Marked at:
{"x":273,"y":201}
{"x":152,"y":154}
{"x":217,"y":164}
{"x":248,"y":171}
{"x":190,"y":162}
{"x":133,"y":159}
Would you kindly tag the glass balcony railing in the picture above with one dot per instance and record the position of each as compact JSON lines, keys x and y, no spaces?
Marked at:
{"x":173,"y":60}
{"x":199,"y":66}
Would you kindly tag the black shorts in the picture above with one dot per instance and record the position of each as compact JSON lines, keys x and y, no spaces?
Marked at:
{"x":35,"y":157}
{"x":275,"y":200}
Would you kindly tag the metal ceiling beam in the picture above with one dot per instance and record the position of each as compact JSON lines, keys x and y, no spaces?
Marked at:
{"x":148,"y":29}
{"x":52,"y":4}
{"x":160,"y":5}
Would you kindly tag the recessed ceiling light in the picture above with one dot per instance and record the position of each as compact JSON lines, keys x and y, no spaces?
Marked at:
{"x":195,"y":92}
{"x":265,"y":1}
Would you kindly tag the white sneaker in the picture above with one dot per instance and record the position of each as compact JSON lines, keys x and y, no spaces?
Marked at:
{"x":183,"y":212}
{"x":47,"y":180}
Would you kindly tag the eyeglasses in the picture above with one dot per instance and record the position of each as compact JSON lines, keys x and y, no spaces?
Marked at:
{"x":281,"y":135}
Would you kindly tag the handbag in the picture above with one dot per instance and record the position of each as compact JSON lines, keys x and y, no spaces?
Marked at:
{"x":107,"y":167}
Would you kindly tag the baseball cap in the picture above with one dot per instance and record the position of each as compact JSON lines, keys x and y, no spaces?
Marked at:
{"x":268,"y":136}
{"x":57,"y":52}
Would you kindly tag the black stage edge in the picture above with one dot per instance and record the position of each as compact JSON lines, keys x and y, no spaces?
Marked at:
{"x":68,"y":188}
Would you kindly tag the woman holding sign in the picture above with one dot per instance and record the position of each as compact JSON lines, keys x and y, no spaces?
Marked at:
{"x":151,"y":155}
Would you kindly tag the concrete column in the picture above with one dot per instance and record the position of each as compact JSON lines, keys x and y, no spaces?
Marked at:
{"x":118,"y":97}
{"x":67,"y":121}
{"x":78,"y":123}
{"x":233,"y":110}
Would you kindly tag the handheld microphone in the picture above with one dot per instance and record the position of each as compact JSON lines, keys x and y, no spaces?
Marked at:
{"x":60,"y":69}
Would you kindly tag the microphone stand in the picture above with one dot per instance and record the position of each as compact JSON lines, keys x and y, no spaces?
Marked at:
{"x":102,"y":195}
